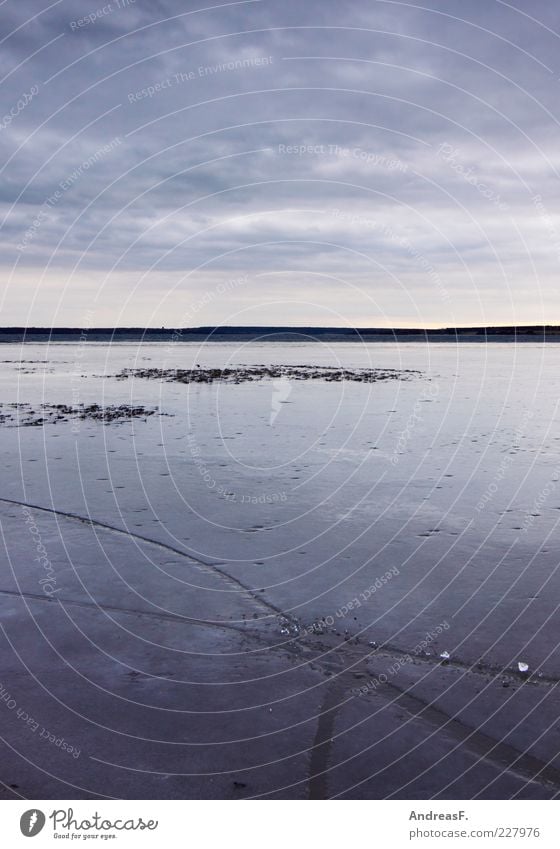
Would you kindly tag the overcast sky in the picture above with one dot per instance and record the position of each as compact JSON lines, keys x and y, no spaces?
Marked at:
{"x":306,"y":162}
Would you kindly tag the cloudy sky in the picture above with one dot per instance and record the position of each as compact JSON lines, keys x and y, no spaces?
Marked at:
{"x":327,"y":162}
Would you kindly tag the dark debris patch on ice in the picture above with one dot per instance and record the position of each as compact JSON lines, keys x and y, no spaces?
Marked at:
{"x":244,"y":374}
{"x":24,"y":415}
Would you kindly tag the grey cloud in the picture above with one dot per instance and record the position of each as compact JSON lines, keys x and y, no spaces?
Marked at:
{"x":458,"y":147}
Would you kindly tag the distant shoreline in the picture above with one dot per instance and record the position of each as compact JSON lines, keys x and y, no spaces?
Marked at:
{"x":526,"y":333}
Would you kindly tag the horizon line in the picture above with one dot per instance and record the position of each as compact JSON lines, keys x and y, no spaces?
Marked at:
{"x":514,"y":328}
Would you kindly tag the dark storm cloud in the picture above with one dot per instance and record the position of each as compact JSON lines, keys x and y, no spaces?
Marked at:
{"x":400,"y":148}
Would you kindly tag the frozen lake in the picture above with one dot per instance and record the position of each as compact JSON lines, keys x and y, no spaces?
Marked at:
{"x":279,"y":536}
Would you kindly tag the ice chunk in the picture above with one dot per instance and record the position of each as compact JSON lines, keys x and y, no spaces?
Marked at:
{"x":289,"y":627}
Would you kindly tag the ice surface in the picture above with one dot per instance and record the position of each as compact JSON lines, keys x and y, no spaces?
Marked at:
{"x":420,"y":515}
